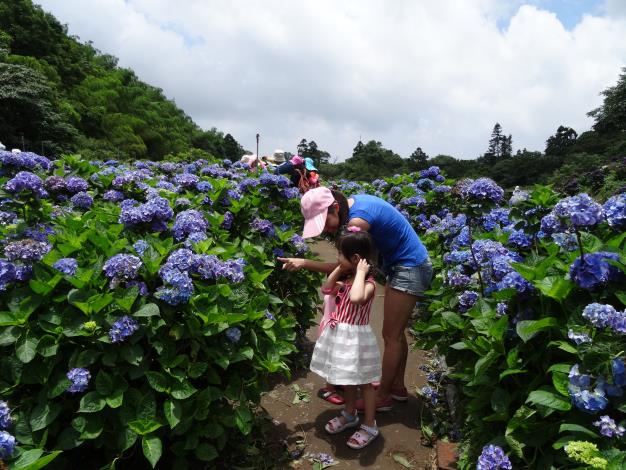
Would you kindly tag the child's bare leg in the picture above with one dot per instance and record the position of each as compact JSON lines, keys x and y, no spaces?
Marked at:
{"x":369,"y":399}
{"x":349,"y":395}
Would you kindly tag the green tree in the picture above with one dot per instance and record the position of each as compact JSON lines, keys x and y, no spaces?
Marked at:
{"x":232,"y":150}
{"x":418,"y":160}
{"x":561,"y":142}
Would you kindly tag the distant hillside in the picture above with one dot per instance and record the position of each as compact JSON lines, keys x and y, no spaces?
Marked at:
{"x":60,"y":95}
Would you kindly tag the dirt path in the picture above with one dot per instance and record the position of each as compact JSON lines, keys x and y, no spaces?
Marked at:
{"x":399,"y":428}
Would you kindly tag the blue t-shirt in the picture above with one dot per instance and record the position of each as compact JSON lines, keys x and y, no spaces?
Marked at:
{"x":392,"y":234}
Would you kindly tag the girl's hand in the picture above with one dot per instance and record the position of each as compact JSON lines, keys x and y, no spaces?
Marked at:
{"x":363,"y":266}
{"x":292,"y":264}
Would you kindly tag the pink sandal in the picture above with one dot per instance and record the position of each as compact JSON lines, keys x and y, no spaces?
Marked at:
{"x":335,"y":426}
{"x":331,"y":396}
{"x":363,"y":437}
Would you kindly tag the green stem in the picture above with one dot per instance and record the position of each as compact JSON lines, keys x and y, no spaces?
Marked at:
{"x":580,"y":245}
{"x":480,"y":278}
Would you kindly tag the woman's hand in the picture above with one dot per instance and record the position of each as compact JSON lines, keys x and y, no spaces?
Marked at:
{"x":363,"y":267}
{"x":292,"y":264}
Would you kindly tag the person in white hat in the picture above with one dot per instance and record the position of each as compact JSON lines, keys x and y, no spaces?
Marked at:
{"x":405,"y":262}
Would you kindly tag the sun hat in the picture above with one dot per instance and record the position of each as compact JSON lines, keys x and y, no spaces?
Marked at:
{"x":314,"y":206}
{"x":297,"y":160}
{"x":308,"y":163}
{"x":278,"y":156}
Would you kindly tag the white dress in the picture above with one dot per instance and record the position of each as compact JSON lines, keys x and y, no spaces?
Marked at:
{"x":346,"y":353}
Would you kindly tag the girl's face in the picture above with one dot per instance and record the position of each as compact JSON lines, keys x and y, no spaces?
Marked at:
{"x":347,"y":264}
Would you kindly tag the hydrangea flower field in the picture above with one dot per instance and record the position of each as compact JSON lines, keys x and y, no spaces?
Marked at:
{"x":141,"y":312}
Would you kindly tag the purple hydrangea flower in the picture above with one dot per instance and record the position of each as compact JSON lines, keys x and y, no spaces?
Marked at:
{"x":485,"y":189}
{"x":519,"y":239}
{"x":493,"y":458}
{"x":619,"y":372}
{"x":82,"y":200}
{"x":186,"y":180}
{"x":608,"y":428}
{"x":615,"y":211}
{"x":299,"y":244}
{"x":269,"y":316}
{"x":122,"y":329}
{"x":7,"y":445}
{"x":290,"y":193}
{"x":431,"y":172}
{"x":263,"y":226}
{"x":26,"y":181}
{"x":592,"y":271}
{"x":567,"y":241}
{"x":27,"y":160}
{"x":7,"y":274}
{"x":413,"y":201}
{"x":182,"y":202}
{"x":141,"y":246}
{"x":204,"y":186}
{"x":23,"y":273}
{"x":599,"y":315}
{"x":122,"y":267}
{"x":578,"y":338}
{"x":113,"y":195}
{"x":228,"y":220}
{"x":7,"y":218}
{"x":551,"y":224}
{"x":279,"y":252}
{"x":516,"y":281}
{"x":67,"y":266}
{"x":467,"y":299}
{"x":501,"y":309}
{"x":5,"y":415}
{"x":430,"y":394}
{"x":233,"y":334}
{"x":55,"y":184}
{"x":579,"y":210}
{"x":187,"y":222}
{"x":80,"y":380}
{"x":142,"y":286}
{"x":27,"y":250}
{"x":156,"y":211}
{"x":75,"y":184}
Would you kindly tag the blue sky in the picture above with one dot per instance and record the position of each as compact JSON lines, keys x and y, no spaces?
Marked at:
{"x":435,"y":74}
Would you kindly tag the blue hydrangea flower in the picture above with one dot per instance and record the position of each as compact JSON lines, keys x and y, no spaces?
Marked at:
{"x":204,"y":186}
{"x":187,"y":222}
{"x":5,"y":415}
{"x":75,"y":184}
{"x":228,"y":220}
{"x":430,"y":394}
{"x":592,"y":271}
{"x":122,"y":267}
{"x":25,"y":181}
{"x":599,"y":315}
{"x":263,"y":226}
{"x":579,"y":210}
{"x":23,"y":273}
{"x":582,"y":396}
{"x":141,"y":246}
{"x":615,"y":211}
{"x":299,"y":244}
{"x":516,"y":281}
{"x":23,"y":160}
{"x":567,"y":241}
{"x":518,"y":196}
{"x":608,"y":428}
{"x":501,"y":309}
{"x":27,"y":250}
{"x":113,"y":195}
{"x":485,"y":189}
{"x":142,"y":286}
{"x":186,"y":180}
{"x":519,"y":239}
{"x":290,"y":193}
{"x":67,"y":266}
{"x":552,"y":224}
{"x":122,"y":328}
{"x":493,"y":458}
{"x":497,"y":217}
{"x":467,"y":299}
{"x":80,"y":380}
{"x":55,"y":184}
{"x":7,"y":274}
{"x":194,"y":238}
{"x":269,"y":316}
{"x":578,"y":338}
{"x":82,"y":200}
{"x":233,"y":334}
{"x":7,"y":445}
{"x":619,"y":374}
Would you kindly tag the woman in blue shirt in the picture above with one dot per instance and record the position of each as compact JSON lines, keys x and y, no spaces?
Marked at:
{"x":405,"y":261}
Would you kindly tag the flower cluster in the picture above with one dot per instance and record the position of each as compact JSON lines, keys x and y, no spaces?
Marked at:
{"x":615,"y":211}
{"x":23,"y":160}
{"x":122,"y":329}
{"x":27,"y":250}
{"x":67,"y":266}
{"x":484,"y":189}
{"x":583,"y":397}
{"x":592,"y":270}
{"x":579,"y":210}
{"x":188,"y":222}
{"x":82,"y":200}
{"x":233,"y":334}
{"x":122,"y":267}
{"x":25,"y":181}
{"x":79,"y":379}
{"x":299,"y":244}
{"x":263,"y":226}
{"x":603,"y":316}
{"x":75,"y":184}
{"x":429,"y":394}
{"x":5,"y":415}
{"x":493,"y":458}
{"x":608,"y":428}
{"x":467,"y":299}
{"x":7,"y":445}
{"x":156,"y":212}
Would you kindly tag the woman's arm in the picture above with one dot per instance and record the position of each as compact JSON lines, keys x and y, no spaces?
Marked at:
{"x":293,"y":264}
{"x":361,"y":291}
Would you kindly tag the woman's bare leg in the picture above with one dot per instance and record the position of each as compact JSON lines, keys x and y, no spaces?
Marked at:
{"x":398,"y":307}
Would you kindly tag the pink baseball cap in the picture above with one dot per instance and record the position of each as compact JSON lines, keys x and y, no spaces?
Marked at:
{"x":314,"y":206}
{"x":297,"y":160}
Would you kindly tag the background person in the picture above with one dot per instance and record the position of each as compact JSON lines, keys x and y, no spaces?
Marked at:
{"x":405,"y":261}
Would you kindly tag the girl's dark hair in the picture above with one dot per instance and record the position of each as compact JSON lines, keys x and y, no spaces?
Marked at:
{"x":343,"y":207}
{"x":356,"y":243}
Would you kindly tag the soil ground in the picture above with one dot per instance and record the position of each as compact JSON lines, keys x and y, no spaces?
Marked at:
{"x":301,"y":425}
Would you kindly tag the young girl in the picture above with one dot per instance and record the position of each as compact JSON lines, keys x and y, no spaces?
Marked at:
{"x":346,"y":352}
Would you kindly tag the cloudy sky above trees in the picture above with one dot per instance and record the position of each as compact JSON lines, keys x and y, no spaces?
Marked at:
{"x":436,"y":74}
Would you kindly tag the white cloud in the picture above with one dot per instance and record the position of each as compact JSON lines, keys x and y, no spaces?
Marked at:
{"x":432,"y":74}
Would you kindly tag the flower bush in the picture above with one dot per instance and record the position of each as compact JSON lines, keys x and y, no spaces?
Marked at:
{"x":141,"y":313}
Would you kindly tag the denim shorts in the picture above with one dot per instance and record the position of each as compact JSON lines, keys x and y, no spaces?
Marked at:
{"x":414,"y":280}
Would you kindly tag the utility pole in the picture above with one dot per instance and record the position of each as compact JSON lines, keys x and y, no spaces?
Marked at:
{"x":257,"y":145}
{"x":23,"y":144}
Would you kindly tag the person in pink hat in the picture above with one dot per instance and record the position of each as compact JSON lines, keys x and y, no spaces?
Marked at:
{"x":405,"y":261}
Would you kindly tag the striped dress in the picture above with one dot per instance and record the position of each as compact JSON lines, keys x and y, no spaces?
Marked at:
{"x":346,"y":353}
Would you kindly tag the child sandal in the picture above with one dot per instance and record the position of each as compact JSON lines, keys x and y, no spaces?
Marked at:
{"x":363,"y":437}
{"x":330,"y":396}
{"x":335,"y":426}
